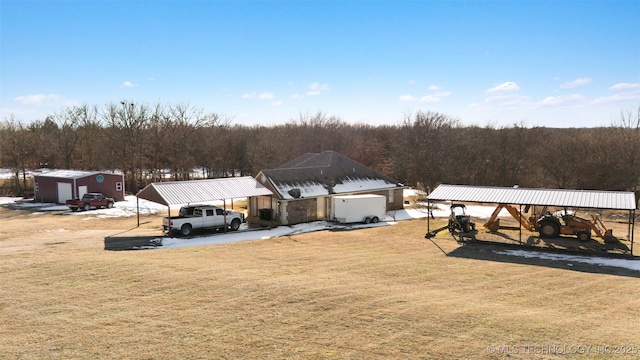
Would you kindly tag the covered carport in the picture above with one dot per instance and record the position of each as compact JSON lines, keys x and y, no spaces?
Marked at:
{"x":201,"y":191}
{"x":565,"y":198}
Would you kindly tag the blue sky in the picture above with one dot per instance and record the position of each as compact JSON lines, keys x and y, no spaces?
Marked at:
{"x":536,"y":63}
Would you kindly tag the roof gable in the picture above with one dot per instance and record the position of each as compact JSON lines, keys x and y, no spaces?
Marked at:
{"x":312,"y":175}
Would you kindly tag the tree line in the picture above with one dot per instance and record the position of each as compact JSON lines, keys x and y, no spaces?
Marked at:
{"x":150,"y":143}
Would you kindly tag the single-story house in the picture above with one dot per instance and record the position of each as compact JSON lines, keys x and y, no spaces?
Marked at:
{"x":302,"y":188}
{"x":58,"y":186}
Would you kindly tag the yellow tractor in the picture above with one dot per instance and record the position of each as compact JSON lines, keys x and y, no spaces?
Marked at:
{"x":551,"y":226}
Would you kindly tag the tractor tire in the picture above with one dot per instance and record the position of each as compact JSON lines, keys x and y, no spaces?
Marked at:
{"x":186,"y":230}
{"x":549,"y":229}
{"x":584,"y":236}
{"x":235,"y":225}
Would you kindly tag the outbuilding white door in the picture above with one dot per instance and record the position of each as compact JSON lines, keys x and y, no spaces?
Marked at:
{"x":82,"y":190}
{"x":64,"y":192}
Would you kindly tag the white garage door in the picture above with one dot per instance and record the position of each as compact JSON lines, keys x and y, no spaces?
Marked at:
{"x":64,"y":192}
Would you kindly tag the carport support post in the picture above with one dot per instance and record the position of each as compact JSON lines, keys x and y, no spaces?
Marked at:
{"x":224,"y":213}
{"x":428,"y":216}
{"x":138,"y":209}
{"x":633,"y":228}
{"x":520,"y":225}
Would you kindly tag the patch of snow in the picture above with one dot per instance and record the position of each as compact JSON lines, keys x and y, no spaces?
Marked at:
{"x":9,"y":200}
{"x":621,"y":263}
{"x":279,"y":231}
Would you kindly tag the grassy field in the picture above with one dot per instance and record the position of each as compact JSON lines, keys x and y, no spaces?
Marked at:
{"x":378,"y":293}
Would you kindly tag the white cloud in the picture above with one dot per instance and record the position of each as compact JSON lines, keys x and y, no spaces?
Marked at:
{"x":128,"y":84}
{"x":429,"y":98}
{"x":266,"y":96}
{"x":576,"y":83}
{"x":297,"y":97}
{"x":625,"y":86}
{"x":617,"y":98}
{"x":44,"y":100}
{"x":276,"y":103}
{"x":504,"y":87}
{"x":561,"y":100}
{"x":406,"y":98}
{"x":316,"y":86}
{"x":434,"y":87}
{"x":314,"y":93}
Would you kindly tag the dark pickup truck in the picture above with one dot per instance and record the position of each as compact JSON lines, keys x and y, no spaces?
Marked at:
{"x":89,"y":201}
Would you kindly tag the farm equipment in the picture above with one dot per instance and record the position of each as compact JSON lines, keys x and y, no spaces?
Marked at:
{"x":551,"y":226}
{"x":459,"y":224}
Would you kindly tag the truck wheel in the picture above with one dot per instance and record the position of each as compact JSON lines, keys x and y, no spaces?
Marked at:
{"x":584,"y":236}
{"x":235,"y":225}
{"x":375,"y":219}
{"x":109,"y":205}
{"x":86,"y":207}
{"x":549,"y":229}
{"x":186,"y":230}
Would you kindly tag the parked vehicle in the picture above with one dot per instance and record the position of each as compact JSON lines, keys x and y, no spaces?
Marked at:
{"x":550,"y":225}
{"x":459,"y":224}
{"x":202,"y":217}
{"x":90,"y":201}
{"x":366,"y":208}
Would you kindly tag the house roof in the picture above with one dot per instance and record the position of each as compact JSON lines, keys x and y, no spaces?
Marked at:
{"x":588,"y":199}
{"x":200,"y":191}
{"x":321,"y":174}
{"x":69,"y":174}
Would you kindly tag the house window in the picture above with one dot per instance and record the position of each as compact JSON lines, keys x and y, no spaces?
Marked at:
{"x":36,"y":187}
{"x":390,"y":197}
{"x":118,"y":186}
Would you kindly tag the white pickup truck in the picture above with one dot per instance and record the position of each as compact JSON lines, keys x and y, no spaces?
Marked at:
{"x":202,"y":217}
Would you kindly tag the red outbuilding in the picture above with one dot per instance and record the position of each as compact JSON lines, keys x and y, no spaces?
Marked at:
{"x":58,"y":186}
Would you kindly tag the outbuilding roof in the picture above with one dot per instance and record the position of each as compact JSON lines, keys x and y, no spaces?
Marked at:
{"x":586,"y":199}
{"x":67,"y":174}
{"x":200,"y":191}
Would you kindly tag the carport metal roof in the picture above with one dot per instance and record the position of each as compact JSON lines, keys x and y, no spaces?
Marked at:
{"x":586,"y":199}
{"x":200,"y":191}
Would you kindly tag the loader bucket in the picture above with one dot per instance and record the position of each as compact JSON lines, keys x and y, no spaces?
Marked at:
{"x":493,"y":226}
{"x":609,"y":238}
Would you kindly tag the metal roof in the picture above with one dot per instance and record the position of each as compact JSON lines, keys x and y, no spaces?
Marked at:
{"x":67,"y":174}
{"x":589,"y":199}
{"x":200,"y":191}
{"x":323,"y":174}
